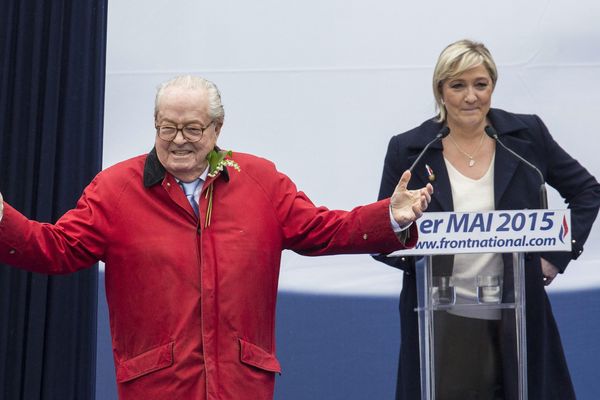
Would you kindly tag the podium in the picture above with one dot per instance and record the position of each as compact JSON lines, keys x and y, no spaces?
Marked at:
{"x":470,"y":275}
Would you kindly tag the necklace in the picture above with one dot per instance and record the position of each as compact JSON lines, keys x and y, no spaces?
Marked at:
{"x":470,"y":156}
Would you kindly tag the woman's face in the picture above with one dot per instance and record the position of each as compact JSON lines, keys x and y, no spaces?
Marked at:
{"x":467,"y":98}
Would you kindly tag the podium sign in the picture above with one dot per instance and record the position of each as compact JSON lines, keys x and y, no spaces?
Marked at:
{"x":471,"y":280}
{"x":492,"y":232}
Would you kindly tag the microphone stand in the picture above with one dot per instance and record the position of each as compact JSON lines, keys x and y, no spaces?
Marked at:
{"x":445,"y":131}
{"x":491,"y":132}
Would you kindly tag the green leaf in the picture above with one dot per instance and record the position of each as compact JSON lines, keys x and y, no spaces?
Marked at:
{"x":215,"y":158}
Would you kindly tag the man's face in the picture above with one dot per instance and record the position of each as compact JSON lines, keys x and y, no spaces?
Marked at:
{"x":180,"y":107}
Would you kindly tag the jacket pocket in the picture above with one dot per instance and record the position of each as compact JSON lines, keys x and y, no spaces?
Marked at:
{"x":152,"y":360}
{"x":255,"y":356}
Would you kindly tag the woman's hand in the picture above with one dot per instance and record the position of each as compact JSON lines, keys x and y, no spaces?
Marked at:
{"x":549,"y":271}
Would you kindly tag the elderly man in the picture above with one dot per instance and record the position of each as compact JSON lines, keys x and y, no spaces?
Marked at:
{"x":191,"y":275}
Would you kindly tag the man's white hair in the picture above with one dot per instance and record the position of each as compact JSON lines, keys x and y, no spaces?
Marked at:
{"x":215,"y":107}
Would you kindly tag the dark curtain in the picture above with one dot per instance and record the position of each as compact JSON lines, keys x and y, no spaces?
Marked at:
{"x":52,"y":65}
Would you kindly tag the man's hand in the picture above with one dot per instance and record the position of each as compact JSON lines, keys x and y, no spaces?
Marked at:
{"x":408,"y":205}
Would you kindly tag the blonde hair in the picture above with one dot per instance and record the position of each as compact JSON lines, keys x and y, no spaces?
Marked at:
{"x":455,"y":59}
{"x":215,"y":107}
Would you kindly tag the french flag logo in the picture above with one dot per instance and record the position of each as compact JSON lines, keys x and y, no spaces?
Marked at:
{"x":564,"y":229}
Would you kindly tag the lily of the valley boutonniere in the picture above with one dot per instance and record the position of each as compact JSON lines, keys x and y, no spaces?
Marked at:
{"x":216,"y":163}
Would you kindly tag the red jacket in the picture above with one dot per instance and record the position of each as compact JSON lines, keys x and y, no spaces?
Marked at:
{"x":192,"y":306}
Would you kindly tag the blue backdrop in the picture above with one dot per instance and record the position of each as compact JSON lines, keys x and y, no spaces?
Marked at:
{"x":344,"y":347}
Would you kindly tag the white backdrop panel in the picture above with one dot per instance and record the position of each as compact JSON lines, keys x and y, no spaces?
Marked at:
{"x":319,"y":87}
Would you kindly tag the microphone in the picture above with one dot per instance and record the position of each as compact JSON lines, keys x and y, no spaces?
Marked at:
{"x":445,"y":131}
{"x":491,"y":132}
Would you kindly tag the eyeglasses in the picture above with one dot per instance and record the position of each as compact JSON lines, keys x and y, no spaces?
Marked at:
{"x":191,"y":133}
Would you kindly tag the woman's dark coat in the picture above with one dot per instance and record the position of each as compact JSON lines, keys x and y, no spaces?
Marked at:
{"x":515,"y":187}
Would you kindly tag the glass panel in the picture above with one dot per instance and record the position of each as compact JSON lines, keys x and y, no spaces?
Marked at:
{"x":471,"y":322}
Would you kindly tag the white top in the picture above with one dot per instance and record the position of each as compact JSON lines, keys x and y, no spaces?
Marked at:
{"x":473,"y":195}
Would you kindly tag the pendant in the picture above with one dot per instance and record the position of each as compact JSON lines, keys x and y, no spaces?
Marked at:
{"x":471,"y":162}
